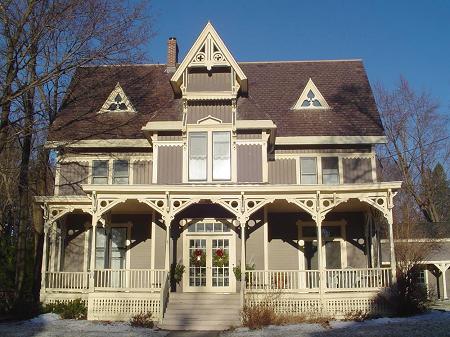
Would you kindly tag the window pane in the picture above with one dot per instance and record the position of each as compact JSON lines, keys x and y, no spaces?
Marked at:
{"x":308,"y":171}
{"x":100,"y":172}
{"x":330,"y":170}
{"x":221,"y":156}
{"x":198,"y":154}
{"x":100,"y":248}
{"x":120,"y":172}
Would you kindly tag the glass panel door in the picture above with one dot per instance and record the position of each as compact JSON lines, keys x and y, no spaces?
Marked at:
{"x":220,"y":251}
{"x":197,"y":262}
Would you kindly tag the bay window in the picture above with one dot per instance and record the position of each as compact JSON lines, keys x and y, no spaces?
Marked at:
{"x":330,"y":170}
{"x":100,"y":172}
{"x":308,"y":170}
{"x":120,"y":172}
{"x":221,"y":156}
{"x":198,"y":156}
{"x":209,"y":155}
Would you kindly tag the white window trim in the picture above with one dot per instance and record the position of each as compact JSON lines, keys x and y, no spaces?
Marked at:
{"x":209,"y":130}
{"x":128,"y":225}
{"x":304,"y":96}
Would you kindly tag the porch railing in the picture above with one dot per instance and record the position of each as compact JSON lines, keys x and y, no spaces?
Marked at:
{"x":129,"y":279}
{"x":282,"y":280}
{"x":308,"y":280}
{"x":358,"y":278}
{"x":66,"y":280}
{"x":106,"y":279}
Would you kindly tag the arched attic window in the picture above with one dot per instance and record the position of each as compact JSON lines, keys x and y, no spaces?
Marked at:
{"x":311,"y":98}
{"x":117,"y":101}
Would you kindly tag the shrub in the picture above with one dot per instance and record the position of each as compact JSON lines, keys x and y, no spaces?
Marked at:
{"x":176,"y":274}
{"x":263,"y":313}
{"x":238,"y":272}
{"x":75,"y":309}
{"x":408,"y":296}
{"x":143,"y":320}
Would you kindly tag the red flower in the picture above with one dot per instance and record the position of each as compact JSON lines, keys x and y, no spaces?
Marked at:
{"x":219,"y":252}
{"x":198,"y":252}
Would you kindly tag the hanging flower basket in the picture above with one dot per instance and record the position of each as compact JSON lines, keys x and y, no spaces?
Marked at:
{"x":198,"y":258}
{"x":220,"y":258}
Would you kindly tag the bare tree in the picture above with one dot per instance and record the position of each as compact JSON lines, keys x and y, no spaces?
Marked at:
{"x":417,"y":140}
{"x":45,"y":41}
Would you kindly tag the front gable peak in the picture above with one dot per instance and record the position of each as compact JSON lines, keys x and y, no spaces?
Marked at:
{"x":208,"y":52}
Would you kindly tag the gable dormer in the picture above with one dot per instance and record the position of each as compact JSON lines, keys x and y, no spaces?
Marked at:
{"x":117,"y":101}
{"x":209,"y":70}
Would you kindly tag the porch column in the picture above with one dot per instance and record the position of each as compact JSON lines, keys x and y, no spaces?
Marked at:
{"x":391,"y":246}
{"x":167,"y":222}
{"x":53,"y":256}
{"x":44,"y":259}
{"x":322,"y":280}
{"x":443,"y":268}
{"x":92,"y":259}
{"x":242,"y":222}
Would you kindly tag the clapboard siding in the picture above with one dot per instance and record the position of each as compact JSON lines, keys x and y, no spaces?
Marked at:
{"x":220,"y":110}
{"x":170,"y":164}
{"x":71,"y":176}
{"x":357,"y":170}
{"x":216,"y":80}
{"x":282,"y":171}
{"x":249,"y":163}
{"x":142,"y":172}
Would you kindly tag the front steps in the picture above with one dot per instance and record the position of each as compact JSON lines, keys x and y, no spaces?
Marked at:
{"x":202,"y":311}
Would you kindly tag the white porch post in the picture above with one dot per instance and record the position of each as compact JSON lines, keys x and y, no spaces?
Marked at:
{"x":44,"y":259}
{"x":53,"y":246}
{"x":443,"y":268}
{"x":242,"y":222}
{"x":322,"y":281}
{"x":391,"y":246}
{"x":92,"y":259}
{"x":167,"y":223}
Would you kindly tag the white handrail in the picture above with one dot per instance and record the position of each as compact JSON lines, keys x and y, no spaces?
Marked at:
{"x":129,"y":279}
{"x":282,"y":279}
{"x":66,"y":280}
{"x":165,"y":290}
{"x":358,"y":278}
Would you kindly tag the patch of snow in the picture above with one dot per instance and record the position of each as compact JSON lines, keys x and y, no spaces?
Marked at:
{"x":43,"y":319}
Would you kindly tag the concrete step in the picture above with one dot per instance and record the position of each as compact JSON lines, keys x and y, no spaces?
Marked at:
{"x":199,"y":325}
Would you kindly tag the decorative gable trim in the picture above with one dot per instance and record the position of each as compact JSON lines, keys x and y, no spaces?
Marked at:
{"x":209,"y":51}
{"x":209,"y":120}
{"x":117,"y":101}
{"x":311,"y":98}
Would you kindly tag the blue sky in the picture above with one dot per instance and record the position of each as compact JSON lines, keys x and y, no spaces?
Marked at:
{"x":409,"y":38}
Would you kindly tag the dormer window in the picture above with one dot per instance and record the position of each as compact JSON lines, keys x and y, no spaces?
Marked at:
{"x":311,"y":98}
{"x":117,"y":102}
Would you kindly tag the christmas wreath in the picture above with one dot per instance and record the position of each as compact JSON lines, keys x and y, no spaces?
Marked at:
{"x":220,"y":258}
{"x":198,"y":258}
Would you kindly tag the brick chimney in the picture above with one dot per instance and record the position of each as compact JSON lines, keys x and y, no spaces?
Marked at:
{"x":172,"y":54}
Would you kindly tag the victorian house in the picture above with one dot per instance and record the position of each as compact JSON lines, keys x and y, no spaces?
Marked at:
{"x":242,"y":178}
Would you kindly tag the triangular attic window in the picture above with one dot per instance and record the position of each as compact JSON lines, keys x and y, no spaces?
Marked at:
{"x":117,"y":102}
{"x":311,"y":98}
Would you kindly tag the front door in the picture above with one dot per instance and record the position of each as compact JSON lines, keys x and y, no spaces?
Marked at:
{"x":209,"y":257}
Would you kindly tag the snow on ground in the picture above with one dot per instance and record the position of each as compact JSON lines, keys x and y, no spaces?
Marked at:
{"x":435,"y":323}
{"x":50,"y":325}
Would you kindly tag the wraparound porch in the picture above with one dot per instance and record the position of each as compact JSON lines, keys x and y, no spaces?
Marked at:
{"x":307,"y":281}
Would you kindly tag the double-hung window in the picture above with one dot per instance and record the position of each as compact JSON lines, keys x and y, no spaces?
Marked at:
{"x":100,"y":172}
{"x":198,"y":156}
{"x":221,"y":155}
{"x":330,"y":170}
{"x":209,"y":156}
{"x":120,"y":172}
{"x":308,"y":170}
